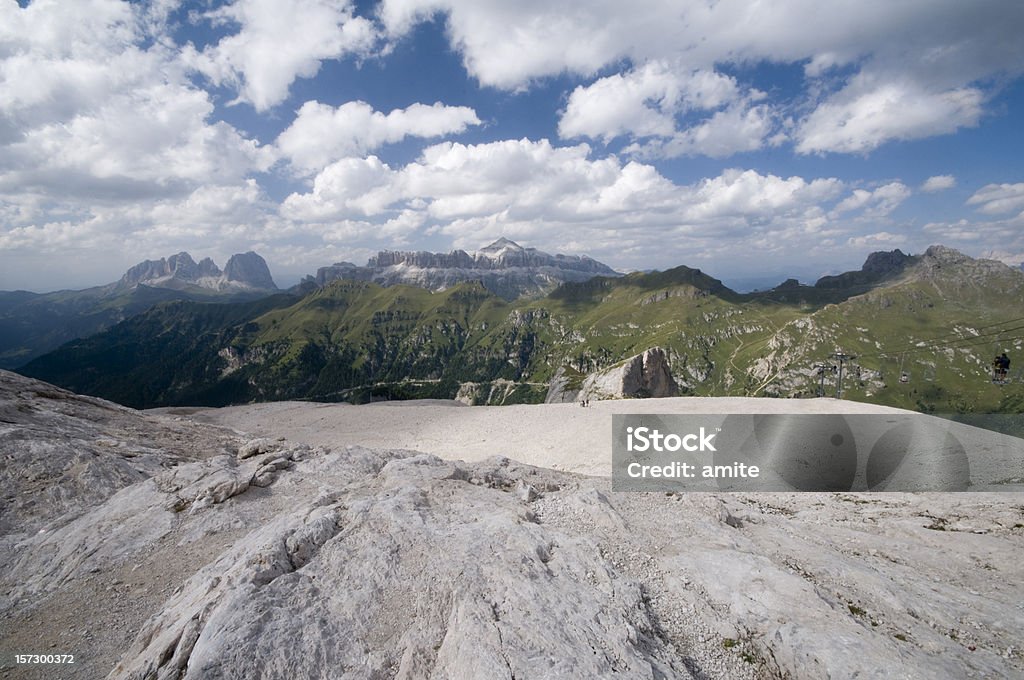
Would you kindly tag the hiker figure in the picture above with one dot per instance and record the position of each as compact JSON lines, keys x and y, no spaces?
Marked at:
{"x":1004,"y":366}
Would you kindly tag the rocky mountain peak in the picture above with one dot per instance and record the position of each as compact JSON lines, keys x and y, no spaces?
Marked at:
{"x":946,"y":255}
{"x":181,"y":262}
{"x":244,"y":271}
{"x":207,"y":267}
{"x":249,"y":269}
{"x":883,"y":262}
{"x":877,"y":267}
{"x":941,"y":263}
{"x":500,"y":245}
{"x":177,"y":266}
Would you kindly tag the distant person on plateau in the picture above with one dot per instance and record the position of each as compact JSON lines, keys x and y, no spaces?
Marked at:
{"x":1004,"y":366}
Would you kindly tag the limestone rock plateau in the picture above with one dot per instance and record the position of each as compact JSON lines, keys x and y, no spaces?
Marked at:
{"x":155,"y":546}
{"x":503,"y":267}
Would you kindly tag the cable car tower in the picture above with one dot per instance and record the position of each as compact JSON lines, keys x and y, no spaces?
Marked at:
{"x":842,"y":358}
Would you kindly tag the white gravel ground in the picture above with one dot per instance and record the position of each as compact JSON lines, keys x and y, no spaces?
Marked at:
{"x":558,"y":436}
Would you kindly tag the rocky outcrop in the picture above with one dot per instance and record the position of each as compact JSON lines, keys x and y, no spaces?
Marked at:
{"x":564,"y":386}
{"x":395,"y":576}
{"x":180,"y":267}
{"x":885,"y":262}
{"x":62,"y":452}
{"x":504,"y":267}
{"x":877,"y":267}
{"x":644,"y":375}
{"x":457,"y":259}
{"x":32,"y":325}
{"x":952,"y":270}
{"x":247,"y":271}
{"x":279,"y":560}
{"x":492,"y":393}
{"x":937,"y":260}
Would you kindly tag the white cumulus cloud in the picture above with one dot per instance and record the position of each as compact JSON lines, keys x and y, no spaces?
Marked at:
{"x":553,"y":196}
{"x":875,"y":72}
{"x":878,"y":239}
{"x":88,"y":113}
{"x":866,"y":114}
{"x":322,"y":133}
{"x":348,"y":187}
{"x":938,"y":183}
{"x":277,"y":42}
{"x":730,"y":131}
{"x":642,"y":102}
{"x":875,"y":203}
{"x":750,"y":195}
{"x":978,"y":237}
{"x":104,"y":141}
{"x":669,"y":112}
{"x":998,"y":199}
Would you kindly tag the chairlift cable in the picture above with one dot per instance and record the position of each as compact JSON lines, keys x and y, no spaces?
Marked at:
{"x":943,"y":339}
{"x":971,"y":341}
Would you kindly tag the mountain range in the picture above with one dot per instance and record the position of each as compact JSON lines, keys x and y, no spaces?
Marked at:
{"x":921,"y":331}
{"x":243,"y":272}
{"x":504,"y":267}
{"x":32,"y":324}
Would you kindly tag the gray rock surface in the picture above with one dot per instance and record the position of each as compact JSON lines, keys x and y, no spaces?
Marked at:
{"x":243,"y":558}
{"x":644,"y":375}
{"x":563,"y":388}
{"x":427,"y":567}
{"x":63,"y":453}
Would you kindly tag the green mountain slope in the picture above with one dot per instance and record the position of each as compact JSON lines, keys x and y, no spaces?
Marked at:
{"x":166,"y":355}
{"x":32,"y":324}
{"x":938,"y":318}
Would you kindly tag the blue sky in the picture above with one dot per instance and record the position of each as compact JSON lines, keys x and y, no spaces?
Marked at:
{"x":753,"y":140}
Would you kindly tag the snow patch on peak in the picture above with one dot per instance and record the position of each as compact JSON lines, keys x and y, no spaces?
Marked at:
{"x":501,"y":245}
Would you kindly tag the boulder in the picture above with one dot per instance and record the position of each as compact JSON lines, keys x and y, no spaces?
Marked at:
{"x":644,"y":375}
